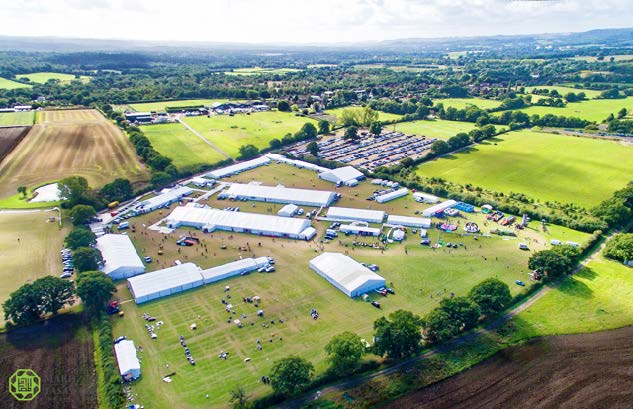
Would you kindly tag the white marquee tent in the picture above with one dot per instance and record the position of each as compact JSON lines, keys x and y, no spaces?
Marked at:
{"x":167,"y":197}
{"x":346,"y":274}
{"x":438,"y":208}
{"x":288,"y":210}
{"x":348,"y":213}
{"x":120,"y":257}
{"x":238,"y":167}
{"x":162,"y":283}
{"x":409,"y":221}
{"x":347,"y":175}
{"x":234,"y":268}
{"x":129,"y":365}
{"x":392,"y":195}
{"x":279,"y":194}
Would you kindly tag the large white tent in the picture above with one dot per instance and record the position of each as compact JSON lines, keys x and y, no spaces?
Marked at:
{"x":348,"y":213}
{"x":409,"y":221}
{"x":425,"y":197}
{"x":162,"y":283}
{"x":129,"y":365}
{"x":392,"y":195}
{"x":167,"y":197}
{"x":288,"y":210}
{"x":279,"y":194}
{"x":234,"y":268}
{"x":210,"y":220}
{"x":297,"y":163}
{"x":119,"y":256}
{"x":346,"y":274}
{"x":431,"y":211}
{"x":238,"y":167}
{"x":347,"y":175}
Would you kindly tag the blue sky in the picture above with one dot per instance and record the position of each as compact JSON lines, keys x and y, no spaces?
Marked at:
{"x":303,"y":21}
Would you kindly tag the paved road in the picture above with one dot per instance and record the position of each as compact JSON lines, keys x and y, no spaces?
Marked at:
{"x":211,"y":144}
{"x":341,"y":386}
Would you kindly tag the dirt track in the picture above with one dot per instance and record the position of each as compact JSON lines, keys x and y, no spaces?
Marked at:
{"x":571,"y":371}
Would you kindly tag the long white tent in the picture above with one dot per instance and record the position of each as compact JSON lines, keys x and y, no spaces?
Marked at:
{"x":129,"y":365}
{"x":348,"y":213}
{"x":234,"y":268}
{"x":119,"y":256}
{"x":297,"y":163}
{"x":210,"y":220}
{"x":279,"y":194}
{"x":425,"y":197}
{"x":162,"y":283}
{"x":238,"y":167}
{"x":431,"y":211}
{"x":346,"y":274}
{"x":167,"y":197}
{"x":392,"y":195}
{"x":409,"y":221}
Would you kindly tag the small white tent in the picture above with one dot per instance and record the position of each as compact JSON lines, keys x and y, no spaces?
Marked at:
{"x":129,"y":365}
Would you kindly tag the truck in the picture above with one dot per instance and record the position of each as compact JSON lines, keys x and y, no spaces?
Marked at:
{"x":112,"y":205}
{"x":124,"y":225}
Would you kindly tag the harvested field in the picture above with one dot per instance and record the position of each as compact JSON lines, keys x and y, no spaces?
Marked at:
{"x":61,"y":352}
{"x":10,"y":138}
{"x":79,"y":142}
{"x":568,"y":371}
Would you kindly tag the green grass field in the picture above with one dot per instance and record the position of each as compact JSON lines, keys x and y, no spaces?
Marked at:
{"x":624,"y":57}
{"x":261,"y":70}
{"x":17,"y":118}
{"x":461,"y":103}
{"x":9,"y":84}
{"x":178,"y":143}
{"x":434,"y":129}
{"x":544,"y":166}
{"x":564,"y":90}
{"x":592,"y":110}
{"x":160,"y":106}
{"x":42,"y":77}
{"x":231,"y":132}
{"x":382,"y":116}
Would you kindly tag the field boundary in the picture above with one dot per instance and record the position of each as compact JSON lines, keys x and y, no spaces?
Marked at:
{"x":25,"y":131}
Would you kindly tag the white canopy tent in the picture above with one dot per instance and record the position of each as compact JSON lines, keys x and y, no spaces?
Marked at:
{"x":347,"y":175}
{"x":438,"y":208}
{"x":346,"y":274}
{"x":392,"y":195}
{"x":279,"y":194}
{"x":129,"y":365}
{"x":238,"y":167}
{"x":288,"y":210}
{"x":162,"y":283}
{"x":348,"y":213}
{"x":408,"y":221}
{"x":167,"y":197}
{"x":234,"y":268}
{"x":119,"y":256}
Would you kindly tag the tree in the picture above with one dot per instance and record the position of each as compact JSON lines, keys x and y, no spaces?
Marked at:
{"x":309,"y":131}
{"x":81,"y":214}
{"x":613,"y":211}
{"x":438,"y":326}
{"x":350,"y":117}
{"x":54,"y":293}
{"x":22,"y":190}
{"x":95,"y":290}
{"x":375,"y":128}
{"x":313,"y":148}
{"x":324,"y":127}
{"x":344,"y":353}
{"x":33,"y":301}
{"x":283,"y":106}
{"x":248,"y":151}
{"x":275,"y":143}
{"x":461,"y":310}
{"x":368,"y":116}
{"x":399,"y":336}
{"x":439,"y":148}
{"x":351,"y":133}
{"x":74,"y":190}
{"x":118,"y":190}
{"x":86,"y":259}
{"x":80,"y":236}
{"x":622,"y":113}
{"x":239,"y":398}
{"x":160,"y":178}
{"x":551,"y":263}
{"x":290,"y":375}
{"x":491,"y":295}
{"x":620,"y":247}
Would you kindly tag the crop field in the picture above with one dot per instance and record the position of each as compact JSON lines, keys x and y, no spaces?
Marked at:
{"x":544,"y":166}
{"x":10,"y":138}
{"x":61,"y":352}
{"x":261,"y":70}
{"x":434,"y":129}
{"x":231,"y":132}
{"x":9,"y":84}
{"x":564,"y":90}
{"x":461,"y":103}
{"x":35,"y":255}
{"x":17,"y":118}
{"x":419,"y":275}
{"x":161,"y":106}
{"x":180,"y":144}
{"x":42,"y":77}
{"x":593,"y":110}
{"x":382,"y":116}
{"x":78,"y":142}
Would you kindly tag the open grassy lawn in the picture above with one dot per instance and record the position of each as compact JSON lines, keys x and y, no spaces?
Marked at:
{"x":42,"y":77}
{"x":592,"y":110}
{"x":261,"y":70}
{"x":434,"y":129}
{"x":180,"y":144}
{"x":564,"y":90}
{"x":17,"y":118}
{"x":160,"y":106}
{"x":588,"y":58}
{"x":9,"y":84}
{"x":231,"y":132}
{"x":420,"y":277}
{"x":595,"y":299}
{"x":37,"y":253}
{"x":461,"y":103}
{"x":382,"y":116}
{"x":544,"y":166}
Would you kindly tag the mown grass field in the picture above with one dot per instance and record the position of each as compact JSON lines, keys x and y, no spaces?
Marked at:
{"x":593,"y":110}
{"x":544,"y":166}
{"x":382,"y":116}
{"x":420,"y":276}
{"x":564,"y":90}
{"x":17,"y":118}
{"x":434,"y":129}
{"x":9,"y":84}
{"x":461,"y":103}
{"x":231,"y":132}
{"x":43,"y":77}
{"x":160,"y":106}
{"x":70,"y":142}
{"x":180,"y":144}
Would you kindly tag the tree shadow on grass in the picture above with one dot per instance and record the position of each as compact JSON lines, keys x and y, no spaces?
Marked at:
{"x":587,"y":273}
{"x":575,"y":288}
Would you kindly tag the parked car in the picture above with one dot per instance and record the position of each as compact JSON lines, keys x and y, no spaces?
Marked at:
{"x":390,"y":290}
{"x":65,"y":275}
{"x":519,"y":282}
{"x":375,"y":304}
{"x":270,"y":269}
{"x":148,"y":259}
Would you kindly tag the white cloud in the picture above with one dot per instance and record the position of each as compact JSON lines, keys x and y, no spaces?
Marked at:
{"x":305,"y":21}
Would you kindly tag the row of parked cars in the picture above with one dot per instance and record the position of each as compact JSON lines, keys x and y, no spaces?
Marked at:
{"x":67,"y":261}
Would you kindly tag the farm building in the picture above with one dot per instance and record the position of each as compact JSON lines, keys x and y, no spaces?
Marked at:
{"x":392,"y":195}
{"x":347,"y":175}
{"x":139,"y":117}
{"x":288,"y":210}
{"x":425,"y":198}
{"x":238,"y":167}
{"x":161,"y":283}
{"x":129,"y":365}
{"x":240,"y":222}
{"x":348,"y":213}
{"x":120,"y":259}
{"x":346,"y":274}
{"x":433,"y":210}
{"x":360,"y":229}
{"x":167,"y":197}
{"x":279,"y":194}
{"x":246,"y":265}
{"x":409,"y":221}
{"x":296,"y":163}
